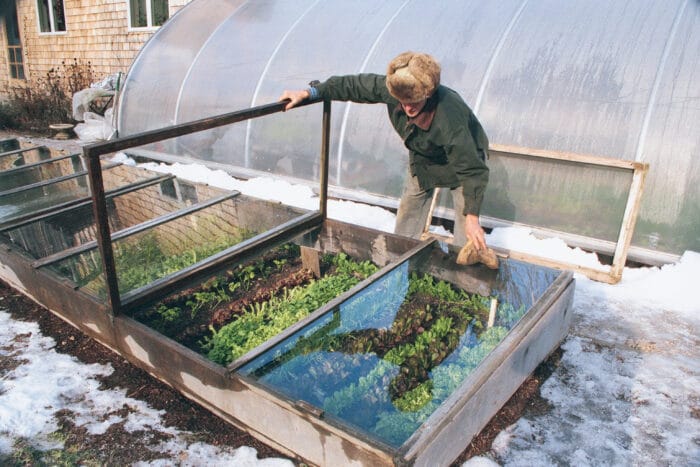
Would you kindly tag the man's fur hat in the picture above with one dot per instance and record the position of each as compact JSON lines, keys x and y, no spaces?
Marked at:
{"x":412,"y":76}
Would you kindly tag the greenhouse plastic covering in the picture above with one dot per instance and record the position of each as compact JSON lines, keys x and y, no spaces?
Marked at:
{"x":617,"y":79}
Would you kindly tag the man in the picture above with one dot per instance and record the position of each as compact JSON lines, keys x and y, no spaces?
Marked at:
{"x":447,"y":144}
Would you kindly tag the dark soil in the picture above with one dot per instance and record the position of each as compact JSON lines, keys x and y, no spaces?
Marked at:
{"x":119,"y":447}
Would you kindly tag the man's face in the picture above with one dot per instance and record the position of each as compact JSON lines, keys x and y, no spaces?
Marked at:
{"x":413,"y":108}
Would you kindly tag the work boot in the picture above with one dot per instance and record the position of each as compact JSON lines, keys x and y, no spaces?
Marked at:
{"x":470,"y":255}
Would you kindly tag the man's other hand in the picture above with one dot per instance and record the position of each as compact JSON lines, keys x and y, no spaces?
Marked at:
{"x":474,"y":232}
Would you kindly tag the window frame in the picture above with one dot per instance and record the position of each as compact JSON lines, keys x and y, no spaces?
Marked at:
{"x":16,"y":65}
{"x":149,"y":16}
{"x":15,"y":51}
{"x":178,"y":190}
{"x":51,"y":18}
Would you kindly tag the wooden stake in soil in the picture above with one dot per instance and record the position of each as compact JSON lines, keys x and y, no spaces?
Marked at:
{"x":311,"y":261}
{"x":492,"y":312}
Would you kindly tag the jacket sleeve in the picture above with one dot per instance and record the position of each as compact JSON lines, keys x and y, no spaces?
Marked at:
{"x":471,"y":170}
{"x":365,"y":88}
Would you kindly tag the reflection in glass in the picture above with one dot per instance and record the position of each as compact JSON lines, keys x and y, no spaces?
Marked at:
{"x":384,"y":360}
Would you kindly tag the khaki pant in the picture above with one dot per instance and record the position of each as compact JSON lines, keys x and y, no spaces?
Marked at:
{"x":414,"y":209}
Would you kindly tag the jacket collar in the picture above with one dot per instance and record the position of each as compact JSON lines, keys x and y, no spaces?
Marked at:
{"x":425,"y":118}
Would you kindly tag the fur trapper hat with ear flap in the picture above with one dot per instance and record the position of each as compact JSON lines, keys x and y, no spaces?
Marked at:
{"x":413,"y":76}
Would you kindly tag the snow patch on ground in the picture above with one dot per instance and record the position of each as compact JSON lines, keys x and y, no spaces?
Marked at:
{"x":626,"y":391}
{"x":44,"y":382}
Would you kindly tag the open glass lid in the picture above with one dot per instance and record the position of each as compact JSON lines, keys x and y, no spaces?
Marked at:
{"x":382,"y":361}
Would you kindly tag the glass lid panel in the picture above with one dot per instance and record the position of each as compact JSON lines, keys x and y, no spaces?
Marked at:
{"x":71,"y":227}
{"x":384,"y":360}
{"x":157,"y":252}
{"x":51,"y":168}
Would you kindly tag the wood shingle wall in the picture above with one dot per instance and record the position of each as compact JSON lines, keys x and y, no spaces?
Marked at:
{"x":97,"y":36}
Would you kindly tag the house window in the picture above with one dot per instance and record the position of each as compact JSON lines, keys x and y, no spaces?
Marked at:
{"x":52,"y":18}
{"x":16,"y":64}
{"x":179,"y":190}
{"x":147,"y":13}
{"x":14,"y":45}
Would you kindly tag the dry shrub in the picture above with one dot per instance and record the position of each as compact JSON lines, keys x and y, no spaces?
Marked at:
{"x":48,"y":100}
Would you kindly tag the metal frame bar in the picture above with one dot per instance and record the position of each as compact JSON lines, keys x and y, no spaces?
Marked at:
{"x":133,"y":230}
{"x":36,"y":164}
{"x":51,"y":181}
{"x":19,"y":221}
{"x":325,"y":155}
{"x":92,"y":155}
{"x":20,"y":150}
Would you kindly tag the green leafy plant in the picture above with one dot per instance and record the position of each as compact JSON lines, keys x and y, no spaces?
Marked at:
{"x":178,"y":312}
{"x":263,"y":321}
{"x":142,"y":260}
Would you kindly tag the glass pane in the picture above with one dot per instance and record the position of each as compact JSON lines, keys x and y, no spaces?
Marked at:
{"x":138,"y":13}
{"x":54,"y":234}
{"x":159,"y":11}
{"x":59,"y":18}
{"x":35,"y":199}
{"x":167,"y":248}
{"x":520,"y":187}
{"x":12,"y":25}
{"x":42,"y":7}
{"x":384,"y":360}
{"x":25,"y":202}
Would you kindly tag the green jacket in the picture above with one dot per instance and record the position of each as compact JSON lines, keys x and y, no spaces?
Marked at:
{"x":446,"y":142}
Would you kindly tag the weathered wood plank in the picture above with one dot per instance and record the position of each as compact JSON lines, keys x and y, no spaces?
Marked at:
{"x":310,"y":260}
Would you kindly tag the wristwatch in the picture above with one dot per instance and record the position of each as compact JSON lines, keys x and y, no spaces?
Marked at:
{"x":313,"y":92}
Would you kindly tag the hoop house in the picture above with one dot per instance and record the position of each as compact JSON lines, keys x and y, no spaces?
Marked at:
{"x":594,"y":77}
